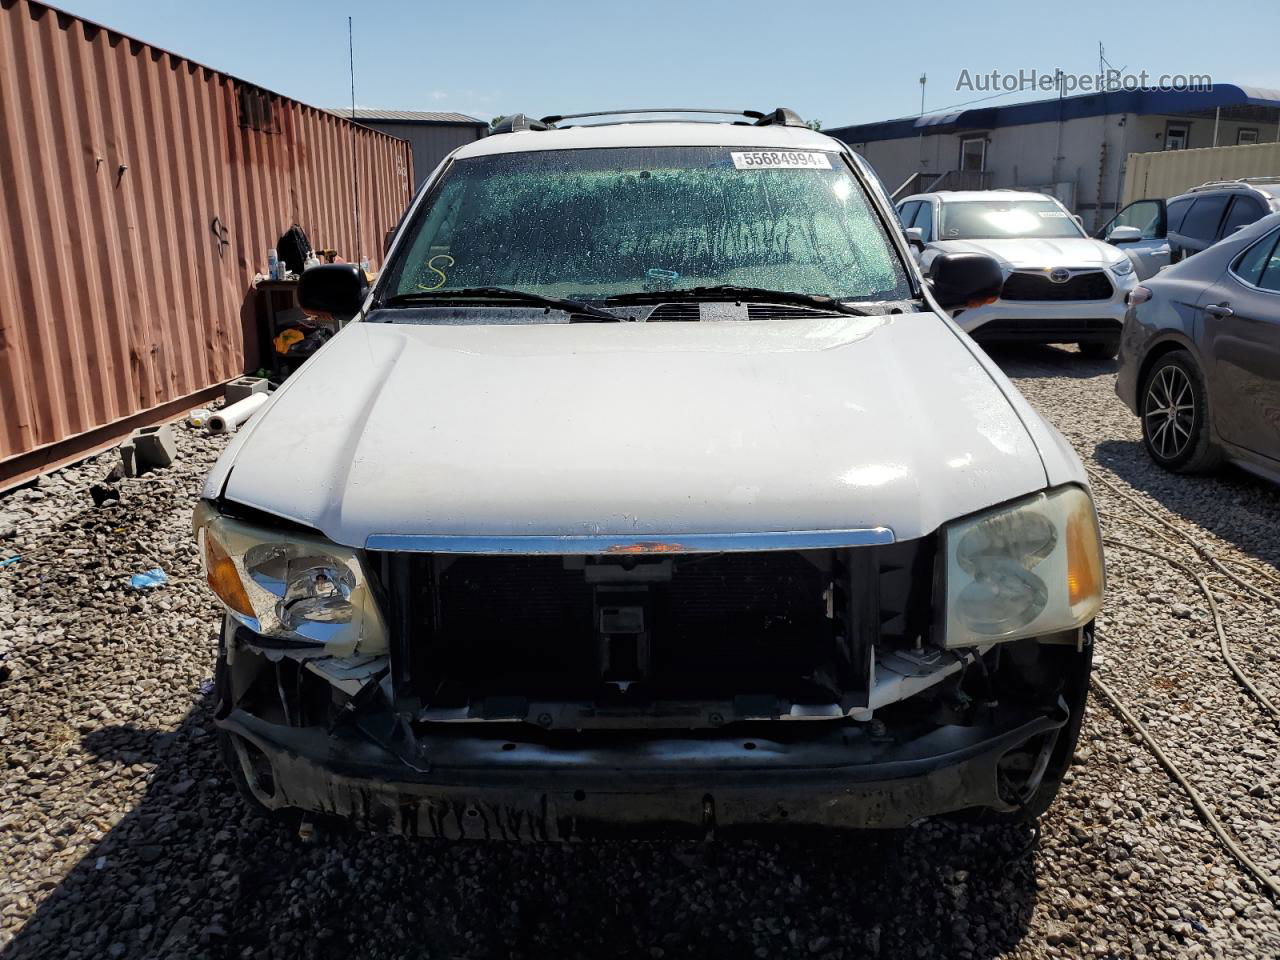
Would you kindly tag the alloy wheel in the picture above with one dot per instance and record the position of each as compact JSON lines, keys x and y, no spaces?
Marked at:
{"x":1169,"y":412}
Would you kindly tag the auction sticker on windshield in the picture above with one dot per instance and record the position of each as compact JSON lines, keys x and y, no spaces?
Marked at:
{"x":781,"y":160}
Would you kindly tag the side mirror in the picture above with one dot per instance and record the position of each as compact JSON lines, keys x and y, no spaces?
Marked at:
{"x":960,"y":280}
{"x":915,"y":237}
{"x":338,"y":288}
{"x":1125,"y":235}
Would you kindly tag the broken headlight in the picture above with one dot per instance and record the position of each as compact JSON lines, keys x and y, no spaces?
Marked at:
{"x":291,"y":586}
{"x":1025,"y":569}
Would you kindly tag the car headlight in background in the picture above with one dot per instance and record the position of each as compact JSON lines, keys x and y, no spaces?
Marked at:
{"x":1122,"y":268}
{"x":290,"y":585}
{"x":1025,"y":569}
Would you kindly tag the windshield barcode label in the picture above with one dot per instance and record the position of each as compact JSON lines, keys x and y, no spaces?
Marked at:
{"x":781,"y":160}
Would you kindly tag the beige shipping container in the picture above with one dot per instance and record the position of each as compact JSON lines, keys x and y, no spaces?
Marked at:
{"x":1168,"y":173}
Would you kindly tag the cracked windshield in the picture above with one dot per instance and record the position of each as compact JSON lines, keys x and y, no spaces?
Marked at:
{"x":593,"y":224}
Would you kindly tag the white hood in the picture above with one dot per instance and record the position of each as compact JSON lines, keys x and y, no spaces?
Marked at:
{"x":1038,"y":253}
{"x":634,"y":428}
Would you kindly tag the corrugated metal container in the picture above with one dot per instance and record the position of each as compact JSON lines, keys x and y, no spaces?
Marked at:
{"x":1170,"y":172}
{"x":431,"y":134}
{"x":431,"y":143}
{"x":139,"y":193}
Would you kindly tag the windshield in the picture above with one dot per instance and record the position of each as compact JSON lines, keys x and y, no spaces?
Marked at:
{"x":1003,"y":219}
{"x":596,"y":223}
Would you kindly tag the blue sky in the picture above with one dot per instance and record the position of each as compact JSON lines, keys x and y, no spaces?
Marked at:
{"x":839,"y":62}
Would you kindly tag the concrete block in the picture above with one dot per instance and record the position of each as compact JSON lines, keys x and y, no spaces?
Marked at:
{"x":128,"y":459}
{"x":150,"y":448}
{"x":242,"y":387}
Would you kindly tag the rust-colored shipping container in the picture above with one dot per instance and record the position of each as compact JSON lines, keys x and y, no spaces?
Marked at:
{"x":139,"y":194}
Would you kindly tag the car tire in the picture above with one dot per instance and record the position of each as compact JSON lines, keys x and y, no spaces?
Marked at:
{"x":1100,"y":349}
{"x":1173,"y":406}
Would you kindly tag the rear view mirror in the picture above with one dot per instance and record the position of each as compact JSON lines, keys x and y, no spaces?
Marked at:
{"x":960,"y":280}
{"x":337,"y":288}
{"x":1124,"y":235}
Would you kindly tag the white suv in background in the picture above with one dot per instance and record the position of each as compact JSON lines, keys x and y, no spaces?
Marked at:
{"x":1061,"y":286}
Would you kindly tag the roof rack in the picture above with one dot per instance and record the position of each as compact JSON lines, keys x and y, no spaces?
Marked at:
{"x":781,"y":116}
{"x":1239,"y":181}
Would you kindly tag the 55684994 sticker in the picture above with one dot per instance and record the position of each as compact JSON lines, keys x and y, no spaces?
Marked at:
{"x":780,"y":160}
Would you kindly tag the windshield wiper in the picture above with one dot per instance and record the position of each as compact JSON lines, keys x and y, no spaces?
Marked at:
{"x":740,"y":294}
{"x":492,"y":294}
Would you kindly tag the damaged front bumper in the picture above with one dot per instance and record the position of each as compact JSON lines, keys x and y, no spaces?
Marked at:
{"x":491,"y":787}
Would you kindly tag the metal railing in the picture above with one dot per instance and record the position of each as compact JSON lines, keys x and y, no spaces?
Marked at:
{"x":926,"y":182}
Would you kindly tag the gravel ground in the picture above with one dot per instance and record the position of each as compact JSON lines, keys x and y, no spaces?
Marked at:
{"x":121,"y":837}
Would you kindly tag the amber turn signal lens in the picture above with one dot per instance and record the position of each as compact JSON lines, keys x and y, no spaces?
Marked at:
{"x":223,"y":578}
{"x":1084,"y":558}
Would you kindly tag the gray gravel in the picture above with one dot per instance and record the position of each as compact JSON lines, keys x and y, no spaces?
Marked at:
{"x":121,"y":837}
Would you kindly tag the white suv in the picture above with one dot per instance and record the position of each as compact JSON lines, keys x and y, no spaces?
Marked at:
{"x":652,"y":489}
{"x":1060,"y":286}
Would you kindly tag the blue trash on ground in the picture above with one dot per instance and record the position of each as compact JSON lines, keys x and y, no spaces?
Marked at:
{"x":155,"y":577}
{"x":10,"y":560}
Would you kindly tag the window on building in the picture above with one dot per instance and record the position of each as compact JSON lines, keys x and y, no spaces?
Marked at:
{"x":1246,"y":135}
{"x":1176,"y":136}
{"x":973,"y":153}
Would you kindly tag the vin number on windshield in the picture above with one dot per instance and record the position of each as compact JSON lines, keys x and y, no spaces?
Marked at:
{"x":781,"y":160}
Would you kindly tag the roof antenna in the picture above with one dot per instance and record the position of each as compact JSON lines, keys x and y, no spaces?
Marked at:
{"x":355,"y":172}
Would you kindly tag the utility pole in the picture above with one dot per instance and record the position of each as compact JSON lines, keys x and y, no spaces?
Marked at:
{"x":923,"y":79}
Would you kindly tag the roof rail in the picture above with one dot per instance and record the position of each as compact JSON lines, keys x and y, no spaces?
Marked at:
{"x":781,"y":116}
{"x":1238,"y":182}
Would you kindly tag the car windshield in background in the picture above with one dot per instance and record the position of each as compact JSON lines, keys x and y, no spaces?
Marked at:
{"x":599,"y":223}
{"x":1004,"y":219}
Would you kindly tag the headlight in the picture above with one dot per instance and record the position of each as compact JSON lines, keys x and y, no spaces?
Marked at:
{"x":1031,"y":568}
{"x":290,"y":585}
{"x":1122,"y":268}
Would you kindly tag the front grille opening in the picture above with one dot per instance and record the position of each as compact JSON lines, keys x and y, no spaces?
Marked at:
{"x":1089,"y":285}
{"x":709,"y":627}
{"x":698,"y":640}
